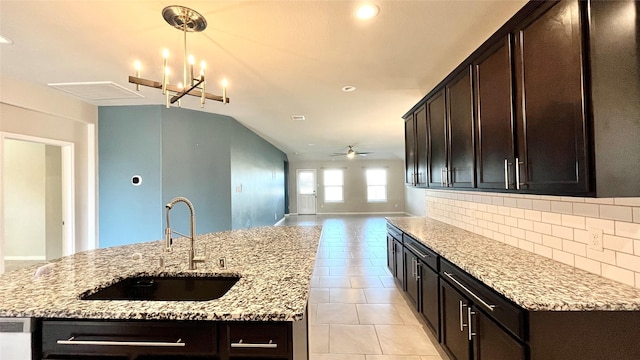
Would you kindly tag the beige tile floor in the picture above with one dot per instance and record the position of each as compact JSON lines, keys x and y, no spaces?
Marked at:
{"x":356,"y":310}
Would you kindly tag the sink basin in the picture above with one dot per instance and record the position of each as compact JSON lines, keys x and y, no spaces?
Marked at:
{"x":159,"y":288}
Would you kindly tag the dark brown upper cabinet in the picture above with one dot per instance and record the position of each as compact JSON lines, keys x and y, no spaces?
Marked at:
{"x":450,"y":134}
{"x":551,"y":124}
{"x":416,"y":148}
{"x":494,"y":116}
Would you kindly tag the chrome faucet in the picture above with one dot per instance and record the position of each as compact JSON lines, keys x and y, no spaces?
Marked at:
{"x":168,"y":232}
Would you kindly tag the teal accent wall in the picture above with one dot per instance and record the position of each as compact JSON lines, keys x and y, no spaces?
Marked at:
{"x":129,"y":143}
{"x":181,"y":152}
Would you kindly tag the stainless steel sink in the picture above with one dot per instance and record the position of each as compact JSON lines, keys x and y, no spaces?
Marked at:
{"x":159,"y":288}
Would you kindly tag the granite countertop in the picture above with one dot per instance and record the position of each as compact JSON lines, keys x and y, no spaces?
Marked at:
{"x":534,"y":282}
{"x":275,"y":265}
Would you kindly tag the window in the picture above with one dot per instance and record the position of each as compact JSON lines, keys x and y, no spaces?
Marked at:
{"x":376,"y":185}
{"x":333,"y":186}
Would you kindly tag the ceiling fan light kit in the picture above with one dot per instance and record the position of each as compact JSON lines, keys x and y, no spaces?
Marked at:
{"x":185,"y":20}
{"x":350,"y":154}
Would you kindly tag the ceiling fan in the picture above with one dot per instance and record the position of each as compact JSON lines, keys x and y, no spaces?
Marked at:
{"x":351,"y":153}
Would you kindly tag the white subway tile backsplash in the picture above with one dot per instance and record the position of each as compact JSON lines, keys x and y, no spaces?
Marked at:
{"x":554,"y":242}
{"x":561,"y":207}
{"x":630,"y":230}
{"x":621,"y":213}
{"x":552,"y":218}
{"x":627,"y":261}
{"x":533,"y":215}
{"x":573,"y":221}
{"x":541,"y":205}
{"x":562,"y":232}
{"x":589,"y":265}
{"x":574,"y":247}
{"x":618,"y":274}
{"x":563,"y":257}
{"x":543,"y":250}
{"x":551,"y":226}
{"x":607,"y":226}
{"x":584,"y":209}
{"x":617,"y":243}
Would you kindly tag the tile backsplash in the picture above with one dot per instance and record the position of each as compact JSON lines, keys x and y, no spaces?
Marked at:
{"x":553,"y":226}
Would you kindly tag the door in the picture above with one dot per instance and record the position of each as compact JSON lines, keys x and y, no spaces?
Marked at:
{"x":306,"y":184}
{"x":551,"y":123}
{"x":398,"y":271}
{"x":455,"y":337}
{"x":411,"y":271}
{"x":410,"y":151}
{"x":421,"y":146}
{"x":429,"y":306}
{"x":436,"y":126}
{"x":494,"y":116}
{"x":491,"y":342}
{"x":460,"y":169}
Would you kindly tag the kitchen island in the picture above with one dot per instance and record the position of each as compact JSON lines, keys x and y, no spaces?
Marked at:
{"x":274,"y":266}
{"x":488,"y":300}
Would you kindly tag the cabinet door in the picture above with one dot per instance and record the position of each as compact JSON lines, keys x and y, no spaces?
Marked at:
{"x":410,"y":151}
{"x":454,"y":337}
{"x":411,"y":275}
{"x":494,"y":117}
{"x":437,"y":145}
{"x":551,"y":126}
{"x":390,"y":253}
{"x":421,"y":146}
{"x":429,"y":304}
{"x":491,"y":342}
{"x":399,"y":264}
{"x":460,"y":129}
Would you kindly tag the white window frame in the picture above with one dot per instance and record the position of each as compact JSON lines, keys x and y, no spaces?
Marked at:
{"x":333,"y":186}
{"x":369,"y":186}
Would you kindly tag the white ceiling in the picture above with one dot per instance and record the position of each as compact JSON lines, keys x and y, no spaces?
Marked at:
{"x":281,"y":58}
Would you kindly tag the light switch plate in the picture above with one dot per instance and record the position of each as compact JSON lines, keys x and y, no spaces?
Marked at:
{"x":595,"y":239}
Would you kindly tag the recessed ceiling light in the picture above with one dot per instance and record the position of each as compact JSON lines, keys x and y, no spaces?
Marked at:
{"x":348,"y":88}
{"x":5,"y":40}
{"x":311,"y":144}
{"x":297,"y":117}
{"x":367,"y":11}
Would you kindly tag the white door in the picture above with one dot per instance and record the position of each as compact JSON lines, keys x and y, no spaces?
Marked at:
{"x":306,"y":180}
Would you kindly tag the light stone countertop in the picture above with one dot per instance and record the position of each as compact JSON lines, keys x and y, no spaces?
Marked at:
{"x":534,"y":282}
{"x":275,"y":265}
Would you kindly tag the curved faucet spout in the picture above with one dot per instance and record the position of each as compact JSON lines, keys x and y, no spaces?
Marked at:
{"x":168,"y":232}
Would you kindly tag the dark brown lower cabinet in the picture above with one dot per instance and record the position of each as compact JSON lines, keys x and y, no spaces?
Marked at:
{"x":390,"y":254}
{"x":411,"y":273}
{"x":429,"y":305}
{"x":398,"y":271}
{"x":454,"y":337}
{"x":491,"y":342}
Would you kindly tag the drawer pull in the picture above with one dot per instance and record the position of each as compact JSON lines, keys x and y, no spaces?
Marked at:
{"x":241,"y":344}
{"x":417,"y":252}
{"x":484,"y":303}
{"x":72,"y":341}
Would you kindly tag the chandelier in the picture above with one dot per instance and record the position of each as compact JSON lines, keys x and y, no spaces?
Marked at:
{"x":185,"y":20}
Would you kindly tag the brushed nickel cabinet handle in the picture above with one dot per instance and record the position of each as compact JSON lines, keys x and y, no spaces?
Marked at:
{"x":461,"y":316}
{"x":416,"y":251}
{"x":506,"y":174}
{"x":482,"y":302}
{"x":242,"y":344}
{"x":469,"y":313}
{"x":518,"y":183}
{"x":73,"y":341}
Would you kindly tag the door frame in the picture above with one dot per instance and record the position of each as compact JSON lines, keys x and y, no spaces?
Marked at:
{"x":68,"y":189}
{"x":315,"y":172}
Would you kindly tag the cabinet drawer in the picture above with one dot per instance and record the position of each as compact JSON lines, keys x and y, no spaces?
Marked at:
{"x":394,"y":232}
{"x":422,"y":252}
{"x":258,"y":339}
{"x":508,"y":314}
{"x":127,"y":338}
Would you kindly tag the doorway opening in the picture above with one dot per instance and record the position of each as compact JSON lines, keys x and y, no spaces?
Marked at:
{"x":36,"y":200}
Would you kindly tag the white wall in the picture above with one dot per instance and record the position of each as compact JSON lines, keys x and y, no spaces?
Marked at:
{"x":355,"y":186}
{"x":552,"y":226}
{"x":415,"y":204}
{"x":35,"y":110}
{"x":24,"y":200}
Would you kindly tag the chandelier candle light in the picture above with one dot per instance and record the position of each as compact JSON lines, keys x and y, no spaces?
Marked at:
{"x":185,"y":20}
